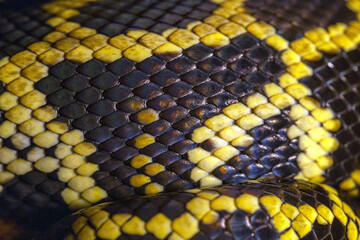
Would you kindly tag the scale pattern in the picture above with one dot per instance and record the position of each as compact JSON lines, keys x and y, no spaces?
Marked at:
{"x":293,"y":18}
{"x":334,"y":76}
{"x":267,"y":210}
{"x":20,"y":29}
{"x":110,"y":99}
{"x":334,"y":81}
{"x":342,"y":79}
{"x":120,"y":105}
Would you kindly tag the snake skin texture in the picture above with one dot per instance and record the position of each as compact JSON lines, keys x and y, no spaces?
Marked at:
{"x":270,"y":210}
{"x":240,"y":118}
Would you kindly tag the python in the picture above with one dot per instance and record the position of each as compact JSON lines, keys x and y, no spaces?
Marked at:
{"x":238,"y":119}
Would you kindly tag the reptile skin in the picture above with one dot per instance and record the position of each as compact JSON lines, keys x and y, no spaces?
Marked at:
{"x":169,"y":119}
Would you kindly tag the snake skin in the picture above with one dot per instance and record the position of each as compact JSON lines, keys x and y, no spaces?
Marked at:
{"x":111,"y":100}
{"x":230,"y":220}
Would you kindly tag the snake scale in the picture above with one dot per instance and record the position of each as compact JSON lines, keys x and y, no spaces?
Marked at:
{"x":180,"y":119}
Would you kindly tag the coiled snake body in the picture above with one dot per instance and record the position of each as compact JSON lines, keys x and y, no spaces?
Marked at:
{"x":239,"y":118}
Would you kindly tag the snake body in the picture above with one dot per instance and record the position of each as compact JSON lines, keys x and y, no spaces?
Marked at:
{"x":194,"y":119}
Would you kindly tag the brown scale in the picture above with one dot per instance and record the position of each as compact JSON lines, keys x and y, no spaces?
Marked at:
{"x":113,"y":122}
{"x":113,"y":17}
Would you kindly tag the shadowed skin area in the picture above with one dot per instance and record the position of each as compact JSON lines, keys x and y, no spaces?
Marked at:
{"x":139,"y":99}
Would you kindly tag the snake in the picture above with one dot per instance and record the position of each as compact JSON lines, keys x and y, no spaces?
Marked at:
{"x":169,"y":119}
